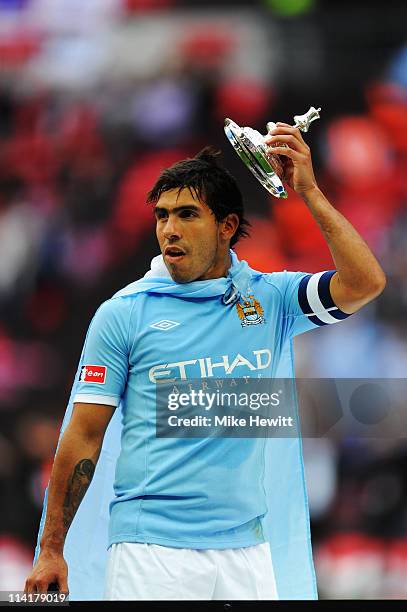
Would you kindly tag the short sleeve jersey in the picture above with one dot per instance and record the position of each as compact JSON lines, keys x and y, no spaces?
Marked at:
{"x":197,"y":493}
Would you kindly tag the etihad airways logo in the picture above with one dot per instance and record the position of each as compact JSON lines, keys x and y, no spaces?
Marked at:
{"x":182,"y":370}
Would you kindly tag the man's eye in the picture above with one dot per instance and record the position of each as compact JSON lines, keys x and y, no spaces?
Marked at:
{"x":160,"y":215}
{"x":187,"y":213}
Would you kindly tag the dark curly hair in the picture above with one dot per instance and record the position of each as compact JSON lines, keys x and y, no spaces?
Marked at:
{"x":211,"y":183}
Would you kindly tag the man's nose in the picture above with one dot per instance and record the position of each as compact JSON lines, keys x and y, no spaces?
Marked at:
{"x":172,"y":229}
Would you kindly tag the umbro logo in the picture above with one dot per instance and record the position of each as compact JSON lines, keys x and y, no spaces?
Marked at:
{"x":164,"y":325}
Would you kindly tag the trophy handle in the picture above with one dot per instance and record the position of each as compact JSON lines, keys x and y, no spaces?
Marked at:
{"x":302,"y":122}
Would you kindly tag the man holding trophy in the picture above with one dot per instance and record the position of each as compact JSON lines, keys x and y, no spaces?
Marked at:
{"x":214,"y":518}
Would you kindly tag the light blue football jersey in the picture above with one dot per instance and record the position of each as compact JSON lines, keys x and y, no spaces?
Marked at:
{"x":193,"y":493}
{"x":127,"y":350}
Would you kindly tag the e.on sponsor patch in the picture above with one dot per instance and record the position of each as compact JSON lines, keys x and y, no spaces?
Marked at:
{"x":93,"y":374}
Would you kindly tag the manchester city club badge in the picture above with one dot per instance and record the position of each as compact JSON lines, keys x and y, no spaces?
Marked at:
{"x":250,"y":311}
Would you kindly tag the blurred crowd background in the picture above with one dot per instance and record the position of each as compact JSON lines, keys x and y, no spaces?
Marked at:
{"x":97,"y":97}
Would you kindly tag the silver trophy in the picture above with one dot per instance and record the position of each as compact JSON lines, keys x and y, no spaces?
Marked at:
{"x":249,"y":144}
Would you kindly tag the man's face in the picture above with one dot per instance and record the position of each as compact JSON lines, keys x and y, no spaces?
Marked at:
{"x":189,"y":237}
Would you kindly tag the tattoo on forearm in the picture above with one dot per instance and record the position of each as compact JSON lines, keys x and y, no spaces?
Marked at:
{"x":76,"y":489}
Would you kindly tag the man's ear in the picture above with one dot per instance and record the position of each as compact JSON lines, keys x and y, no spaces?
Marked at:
{"x":228,"y":226}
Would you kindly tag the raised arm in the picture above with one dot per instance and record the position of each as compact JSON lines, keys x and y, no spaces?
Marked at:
{"x":359,"y":277}
{"x":71,"y":475}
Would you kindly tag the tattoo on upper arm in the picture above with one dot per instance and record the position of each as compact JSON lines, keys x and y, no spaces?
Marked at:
{"x":76,"y":489}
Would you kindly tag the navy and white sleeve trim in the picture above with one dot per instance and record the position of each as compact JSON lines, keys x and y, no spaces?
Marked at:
{"x":316,"y":301}
{"x":93,"y":398}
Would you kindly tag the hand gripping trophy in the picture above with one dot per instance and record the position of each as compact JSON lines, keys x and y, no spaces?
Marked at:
{"x":249,"y":144}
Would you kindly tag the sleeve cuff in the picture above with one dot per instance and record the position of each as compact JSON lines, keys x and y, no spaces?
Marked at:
{"x":316,"y":301}
{"x":92,"y":398}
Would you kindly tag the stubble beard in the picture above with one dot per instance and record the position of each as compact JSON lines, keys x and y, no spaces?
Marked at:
{"x":183,"y":278}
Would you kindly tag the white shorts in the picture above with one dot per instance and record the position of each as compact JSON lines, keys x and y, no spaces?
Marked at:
{"x":153,"y":572}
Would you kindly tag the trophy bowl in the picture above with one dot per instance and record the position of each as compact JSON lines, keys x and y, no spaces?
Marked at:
{"x":249,"y":144}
